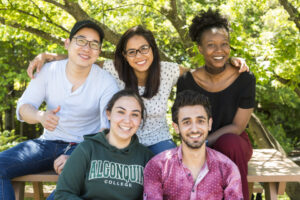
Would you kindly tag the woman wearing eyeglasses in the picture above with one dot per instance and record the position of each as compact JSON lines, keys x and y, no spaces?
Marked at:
{"x":137,"y":66}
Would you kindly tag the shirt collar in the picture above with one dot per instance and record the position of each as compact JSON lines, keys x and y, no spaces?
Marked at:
{"x":207,"y":151}
{"x":208,"y":158}
{"x":179,"y":154}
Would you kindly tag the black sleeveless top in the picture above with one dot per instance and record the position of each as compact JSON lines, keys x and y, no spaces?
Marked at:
{"x":240,"y":94}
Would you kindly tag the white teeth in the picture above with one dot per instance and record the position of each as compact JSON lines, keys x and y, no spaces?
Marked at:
{"x":125,"y":128}
{"x":141,"y":62}
{"x":84,"y":56}
{"x":195,"y":136}
{"x":218,"y":58}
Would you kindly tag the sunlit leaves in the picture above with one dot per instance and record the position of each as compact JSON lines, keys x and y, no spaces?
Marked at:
{"x":262,"y":33}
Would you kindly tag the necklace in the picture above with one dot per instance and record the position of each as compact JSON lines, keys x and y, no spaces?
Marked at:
{"x":214,"y":70}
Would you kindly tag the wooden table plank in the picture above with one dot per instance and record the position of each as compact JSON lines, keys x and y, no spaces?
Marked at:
{"x":49,"y":176}
{"x":268,"y":165}
{"x":271,"y":193}
{"x":281,"y":188}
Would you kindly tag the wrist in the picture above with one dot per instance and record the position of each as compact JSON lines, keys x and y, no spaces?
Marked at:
{"x":49,"y":56}
{"x":39,"y":116}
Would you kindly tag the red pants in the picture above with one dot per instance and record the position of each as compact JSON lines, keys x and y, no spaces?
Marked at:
{"x":238,"y":148}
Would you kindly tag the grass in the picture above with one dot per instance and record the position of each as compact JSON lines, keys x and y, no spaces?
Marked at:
{"x":48,"y":188}
{"x":279,"y":197}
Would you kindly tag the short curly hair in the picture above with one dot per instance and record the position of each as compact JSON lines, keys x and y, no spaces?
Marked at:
{"x":206,"y":20}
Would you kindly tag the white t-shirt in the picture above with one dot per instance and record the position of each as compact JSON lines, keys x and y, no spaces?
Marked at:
{"x":156,"y":128}
{"x":82,"y":111}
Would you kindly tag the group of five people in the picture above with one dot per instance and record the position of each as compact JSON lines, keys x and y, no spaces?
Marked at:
{"x":83,"y":99}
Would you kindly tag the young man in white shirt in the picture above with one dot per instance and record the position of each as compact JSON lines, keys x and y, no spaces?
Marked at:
{"x":76,"y":93}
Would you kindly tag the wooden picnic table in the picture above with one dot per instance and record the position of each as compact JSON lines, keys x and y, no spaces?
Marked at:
{"x":270,"y":167}
{"x":267,"y":166}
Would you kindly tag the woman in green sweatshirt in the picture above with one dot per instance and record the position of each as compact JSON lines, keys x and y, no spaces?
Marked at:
{"x":110,"y":164}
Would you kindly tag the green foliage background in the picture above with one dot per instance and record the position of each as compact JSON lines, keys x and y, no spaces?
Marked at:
{"x":262,"y":32}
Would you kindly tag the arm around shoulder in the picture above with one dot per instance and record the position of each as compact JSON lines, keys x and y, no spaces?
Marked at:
{"x":38,"y":62}
{"x":183,"y":70}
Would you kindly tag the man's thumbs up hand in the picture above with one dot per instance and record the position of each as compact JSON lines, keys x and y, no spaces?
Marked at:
{"x":48,"y":118}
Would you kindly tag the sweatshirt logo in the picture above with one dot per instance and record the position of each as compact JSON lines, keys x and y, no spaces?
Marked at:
{"x":105,"y":169}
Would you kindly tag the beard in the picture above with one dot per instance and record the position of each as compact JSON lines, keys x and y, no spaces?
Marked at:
{"x":192,"y":144}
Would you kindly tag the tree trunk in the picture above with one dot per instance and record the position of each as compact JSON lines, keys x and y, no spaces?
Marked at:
{"x":1,"y":122}
{"x":9,"y":118}
{"x":9,"y":113}
{"x":293,"y":12}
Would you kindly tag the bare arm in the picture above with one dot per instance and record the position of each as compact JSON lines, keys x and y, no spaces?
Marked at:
{"x":38,"y":62}
{"x":31,"y":115}
{"x":234,"y":61}
{"x":238,"y":125}
{"x":182,"y":70}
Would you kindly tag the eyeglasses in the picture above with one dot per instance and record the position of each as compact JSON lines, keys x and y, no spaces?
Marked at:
{"x":83,"y":42}
{"x":133,"y":52}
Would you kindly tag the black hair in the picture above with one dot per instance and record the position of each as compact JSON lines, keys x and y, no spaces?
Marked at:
{"x":126,"y":72}
{"x":190,"y":98}
{"x":206,"y":20}
{"x":127,"y":93}
{"x":87,"y":24}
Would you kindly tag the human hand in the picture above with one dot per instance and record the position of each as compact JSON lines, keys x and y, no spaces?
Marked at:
{"x":102,"y":129}
{"x":49,"y":119}
{"x":38,"y":62}
{"x":59,"y":163}
{"x":239,"y":62}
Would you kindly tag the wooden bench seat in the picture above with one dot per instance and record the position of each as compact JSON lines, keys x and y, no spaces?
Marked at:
{"x":37,"y":183}
{"x":270,"y":167}
{"x":266,"y":166}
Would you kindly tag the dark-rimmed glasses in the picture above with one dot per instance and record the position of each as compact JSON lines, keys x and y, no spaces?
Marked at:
{"x":133,"y":52}
{"x":83,"y":42}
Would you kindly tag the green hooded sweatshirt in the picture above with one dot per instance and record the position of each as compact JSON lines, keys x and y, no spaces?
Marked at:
{"x":98,"y":170}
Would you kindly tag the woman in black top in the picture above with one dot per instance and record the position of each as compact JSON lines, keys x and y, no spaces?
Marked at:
{"x":231,"y":94}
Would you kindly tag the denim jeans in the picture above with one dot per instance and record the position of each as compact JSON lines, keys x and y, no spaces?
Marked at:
{"x":162,"y":146}
{"x":29,"y":157}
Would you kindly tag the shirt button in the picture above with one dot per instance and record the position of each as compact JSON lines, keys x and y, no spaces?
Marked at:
{"x":193,"y":190}
{"x":189,"y":174}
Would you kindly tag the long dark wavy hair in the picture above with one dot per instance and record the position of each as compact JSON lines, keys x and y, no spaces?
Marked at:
{"x":126,"y":72}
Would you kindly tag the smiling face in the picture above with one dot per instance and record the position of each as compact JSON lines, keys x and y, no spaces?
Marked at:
{"x":193,"y":126}
{"x":141,"y":62}
{"x":215,"y":47}
{"x":83,"y":56}
{"x":125,"y":118}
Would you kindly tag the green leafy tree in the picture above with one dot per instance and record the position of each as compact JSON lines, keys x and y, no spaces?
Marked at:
{"x":264,"y":32}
